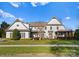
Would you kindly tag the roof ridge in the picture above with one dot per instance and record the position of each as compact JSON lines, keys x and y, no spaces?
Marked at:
{"x":17,"y":20}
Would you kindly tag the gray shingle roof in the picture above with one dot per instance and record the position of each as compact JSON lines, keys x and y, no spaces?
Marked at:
{"x":38,"y":24}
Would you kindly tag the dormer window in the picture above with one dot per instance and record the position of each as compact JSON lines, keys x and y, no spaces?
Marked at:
{"x":17,"y":25}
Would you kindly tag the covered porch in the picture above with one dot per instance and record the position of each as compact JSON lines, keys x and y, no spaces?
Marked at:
{"x":37,"y":35}
{"x":64,"y":34}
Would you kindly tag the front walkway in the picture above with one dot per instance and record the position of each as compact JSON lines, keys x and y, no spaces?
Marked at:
{"x":54,"y":45}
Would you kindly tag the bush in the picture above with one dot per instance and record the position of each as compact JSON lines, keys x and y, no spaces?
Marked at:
{"x":76,"y":34}
{"x":16,"y":34}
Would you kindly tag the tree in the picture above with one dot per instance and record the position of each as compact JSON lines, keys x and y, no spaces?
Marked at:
{"x":16,"y":34}
{"x":76,"y":34}
{"x":2,"y":33}
{"x":4,"y":25}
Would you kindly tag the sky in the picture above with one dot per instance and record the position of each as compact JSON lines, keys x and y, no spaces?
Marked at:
{"x":66,"y":12}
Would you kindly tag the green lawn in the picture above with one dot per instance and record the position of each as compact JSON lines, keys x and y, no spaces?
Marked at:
{"x":40,"y":51}
{"x":18,"y":42}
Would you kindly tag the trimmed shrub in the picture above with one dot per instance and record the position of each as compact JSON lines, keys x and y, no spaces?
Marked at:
{"x":16,"y":34}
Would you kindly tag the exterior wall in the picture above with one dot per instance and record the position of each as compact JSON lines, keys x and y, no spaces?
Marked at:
{"x":22,"y":35}
{"x":54,"y":21}
{"x":24,"y":26}
{"x":37,"y":28}
{"x":26,"y":35}
{"x":61,"y":28}
{"x":8,"y":34}
{"x":34,"y":28}
{"x":37,"y":31}
{"x":46,"y":34}
{"x":53,"y":30}
{"x":20,"y":27}
{"x":27,"y":25}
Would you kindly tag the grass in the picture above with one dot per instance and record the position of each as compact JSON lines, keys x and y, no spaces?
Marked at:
{"x":26,"y":41}
{"x":39,"y":50}
{"x":23,"y":50}
{"x":65,"y":51}
{"x":9,"y":42}
{"x":53,"y":51}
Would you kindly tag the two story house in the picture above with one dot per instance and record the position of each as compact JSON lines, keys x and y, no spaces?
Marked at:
{"x":36,"y":29}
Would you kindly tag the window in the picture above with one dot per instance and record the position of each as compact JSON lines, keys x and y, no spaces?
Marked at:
{"x":11,"y":35}
{"x":51,"y":28}
{"x":45,"y":28}
{"x":17,"y":25}
{"x":22,"y":35}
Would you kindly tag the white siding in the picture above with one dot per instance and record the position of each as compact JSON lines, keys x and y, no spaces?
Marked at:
{"x":46,"y":35}
{"x":20,"y":27}
{"x":54,"y":29}
{"x":24,"y":26}
{"x":26,"y":35}
{"x":61,"y":28}
{"x":22,"y":35}
{"x":34,"y":29}
{"x":54,"y":21}
{"x":8,"y":35}
{"x":27,"y":25}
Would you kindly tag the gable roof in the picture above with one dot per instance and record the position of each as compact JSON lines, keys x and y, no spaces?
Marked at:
{"x":54,"y":21}
{"x":17,"y":20}
{"x":38,"y":24}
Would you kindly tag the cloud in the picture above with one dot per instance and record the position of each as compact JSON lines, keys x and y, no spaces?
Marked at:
{"x":68,"y":17}
{"x":20,"y":19}
{"x":16,"y":4}
{"x":6,"y":15}
{"x":78,"y":7}
{"x":35,"y":4}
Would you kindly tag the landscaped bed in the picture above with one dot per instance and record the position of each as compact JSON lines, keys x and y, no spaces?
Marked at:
{"x":39,"y":51}
{"x":26,"y":42}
